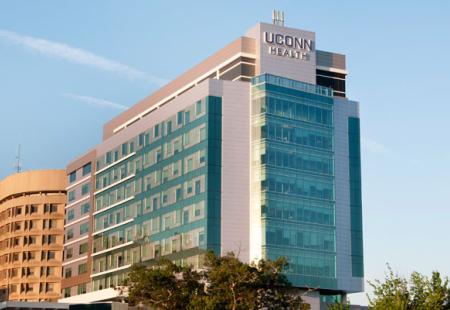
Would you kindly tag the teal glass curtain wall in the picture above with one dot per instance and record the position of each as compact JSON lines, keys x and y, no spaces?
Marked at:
{"x":354,"y":151}
{"x":292,"y":144}
{"x":214,"y":173}
{"x":159,"y":194}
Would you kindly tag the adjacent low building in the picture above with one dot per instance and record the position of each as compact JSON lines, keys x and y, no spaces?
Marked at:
{"x":78,"y":227}
{"x":31,"y":235}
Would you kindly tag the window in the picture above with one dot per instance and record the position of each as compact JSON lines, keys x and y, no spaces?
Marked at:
{"x":201,"y":238}
{"x":86,"y":169}
{"x":187,"y":117}
{"x":186,"y":139}
{"x":15,"y":257}
{"x":202,"y":133}
{"x":169,"y":149}
{"x":141,"y":139}
{"x":81,"y":289}
{"x":83,"y":248}
{"x":185,"y":216}
{"x":179,"y":194}
{"x":70,"y":215}
{"x":177,"y":146}
{"x":169,"y":127}
{"x":51,"y":208}
{"x":31,"y":240}
{"x":72,"y":176}
{"x":50,"y":255}
{"x":85,"y":189}
{"x":51,"y":239}
{"x":124,"y":149}
{"x":175,"y":168}
{"x":51,"y":223}
{"x":67,"y":272}
{"x":198,"y":107}
{"x":156,"y":131}
{"x":49,"y":287}
{"x":190,"y":165}
{"x":85,"y":208}
{"x":67,"y":292}
{"x":84,"y":228}
{"x":82,"y":268}
{"x":197,"y":211}
{"x":108,"y":158}
{"x":69,"y":253}
{"x":71,"y":196}
{"x":180,"y":118}
{"x":18,"y":210}
{"x":33,"y":209}
{"x":202,"y":156}
{"x":69,"y":234}
{"x":158,"y":155}
{"x":189,"y":187}
{"x":28,"y":287}
{"x":197,"y":187}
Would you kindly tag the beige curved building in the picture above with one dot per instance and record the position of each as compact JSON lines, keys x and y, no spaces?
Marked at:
{"x":31,"y":235}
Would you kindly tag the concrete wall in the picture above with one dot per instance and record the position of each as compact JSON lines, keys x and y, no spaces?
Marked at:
{"x":343,"y":109}
{"x":235,"y":232}
{"x":297,"y":69}
{"x":33,"y":181}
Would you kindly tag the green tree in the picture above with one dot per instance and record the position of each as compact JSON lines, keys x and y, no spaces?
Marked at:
{"x":417,"y":293}
{"x":274,"y":290}
{"x":234,"y":285}
{"x":165,"y":286}
{"x":339,"y":306}
{"x":224,"y":283}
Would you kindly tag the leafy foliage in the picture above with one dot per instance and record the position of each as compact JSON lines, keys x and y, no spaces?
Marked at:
{"x":225,"y":283}
{"x":339,"y":306}
{"x":166,"y":286}
{"x":419,"y":293}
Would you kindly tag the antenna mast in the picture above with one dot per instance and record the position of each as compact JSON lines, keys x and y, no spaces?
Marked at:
{"x":18,"y":166}
{"x":278,"y":18}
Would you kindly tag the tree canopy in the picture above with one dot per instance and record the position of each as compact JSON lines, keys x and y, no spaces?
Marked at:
{"x":417,"y":293}
{"x":224,"y":283}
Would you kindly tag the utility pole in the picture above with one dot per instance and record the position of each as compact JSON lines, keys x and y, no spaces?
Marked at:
{"x":18,"y":166}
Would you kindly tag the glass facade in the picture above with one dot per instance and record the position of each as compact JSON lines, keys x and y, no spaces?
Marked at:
{"x":354,"y":151}
{"x":293,"y":164}
{"x":159,"y":194}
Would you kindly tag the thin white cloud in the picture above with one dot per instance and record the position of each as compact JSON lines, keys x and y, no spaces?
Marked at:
{"x":97,"y":102}
{"x":374,"y":146}
{"x":79,"y":56}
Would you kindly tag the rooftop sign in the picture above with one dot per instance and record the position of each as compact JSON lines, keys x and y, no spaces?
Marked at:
{"x":288,"y":46}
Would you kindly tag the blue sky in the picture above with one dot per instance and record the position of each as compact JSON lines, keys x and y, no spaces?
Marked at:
{"x":67,"y":67}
